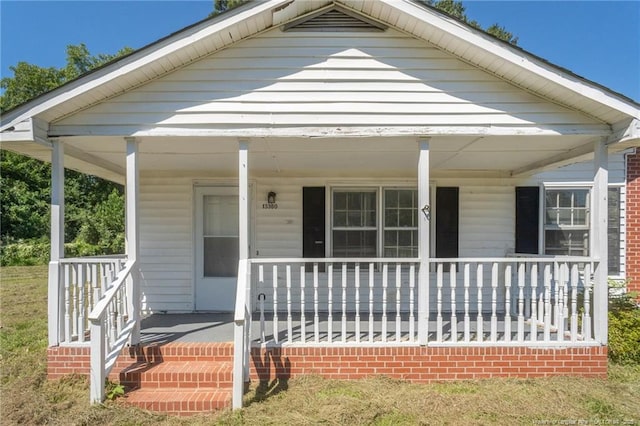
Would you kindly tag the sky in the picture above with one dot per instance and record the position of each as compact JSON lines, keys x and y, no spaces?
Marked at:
{"x":598,"y":40}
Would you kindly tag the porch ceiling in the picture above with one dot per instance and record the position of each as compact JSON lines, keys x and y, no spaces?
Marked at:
{"x":333,"y":156}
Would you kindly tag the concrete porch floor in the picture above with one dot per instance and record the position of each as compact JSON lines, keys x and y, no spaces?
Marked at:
{"x":219,"y":327}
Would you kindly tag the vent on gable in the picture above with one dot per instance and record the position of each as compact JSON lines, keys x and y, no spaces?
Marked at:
{"x":334,"y":20}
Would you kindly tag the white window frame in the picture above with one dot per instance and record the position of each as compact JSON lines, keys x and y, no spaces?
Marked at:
{"x":379,"y":191}
{"x":585,"y":185}
{"x":543,"y":204}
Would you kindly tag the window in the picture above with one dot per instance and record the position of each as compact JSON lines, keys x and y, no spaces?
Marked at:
{"x":566,"y":224}
{"x":358,"y":230}
{"x":614,"y":230}
{"x":400,"y":223}
{"x":355,"y":230}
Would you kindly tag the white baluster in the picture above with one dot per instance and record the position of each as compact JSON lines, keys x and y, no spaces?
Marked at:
{"x":114,"y":322}
{"x":454,"y":318}
{"x":303,"y":319}
{"x":494,"y":301}
{"x":534,"y":302}
{"x":384,"y":301}
{"x":95,"y":283}
{"x":574,"y":302}
{"x":289,"y":318}
{"x":371,"y":283}
{"x":560,"y":283}
{"x":586,"y":317}
{"x":521,"y":279}
{"x":556,"y":279}
{"x":439,"y":270}
{"x":467,"y":319}
{"x":412,"y":285}
{"x":81,"y":301}
{"x":274,"y":280}
{"x":344,"y":302}
{"x":74,"y":303}
{"x":398,"y":300}
{"x":68,"y":327}
{"x":316,"y":317}
{"x":261,"y":299}
{"x":479,"y":319}
{"x":547,"y":302}
{"x":507,"y":298}
{"x":330,"y":317}
{"x":357,"y":277}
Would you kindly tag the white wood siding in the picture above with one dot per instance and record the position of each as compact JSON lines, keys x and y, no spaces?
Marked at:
{"x":166,"y":248}
{"x":487,"y":225}
{"x":326,"y":79}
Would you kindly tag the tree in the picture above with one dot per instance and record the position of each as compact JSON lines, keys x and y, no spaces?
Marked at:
{"x":94,"y":207}
{"x":456,"y":9}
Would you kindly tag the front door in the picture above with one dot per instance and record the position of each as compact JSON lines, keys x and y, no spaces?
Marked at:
{"x":217,"y":248}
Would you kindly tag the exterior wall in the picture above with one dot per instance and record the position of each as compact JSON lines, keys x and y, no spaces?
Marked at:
{"x":166,"y":248}
{"x":633,"y":222}
{"x":380,"y":79}
{"x":487,"y":223}
{"x":416,"y":364}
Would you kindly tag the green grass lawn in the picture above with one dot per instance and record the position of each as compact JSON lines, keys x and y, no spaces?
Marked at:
{"x":27,"y":397}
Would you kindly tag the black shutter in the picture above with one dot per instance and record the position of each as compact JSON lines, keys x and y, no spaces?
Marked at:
{"x":527,"y":219}
{"x":313,"y":222}
{"x":447,"y":207}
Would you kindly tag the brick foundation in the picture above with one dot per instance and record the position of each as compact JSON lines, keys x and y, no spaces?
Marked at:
{"x":425,"y":364}
{"x":633,"y":222}
{"x":417,"y":364}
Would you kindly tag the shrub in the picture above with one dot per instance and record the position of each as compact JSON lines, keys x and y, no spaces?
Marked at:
{"x":624,"y":328}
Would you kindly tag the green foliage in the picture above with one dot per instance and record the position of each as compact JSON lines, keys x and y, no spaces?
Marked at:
{"x":220,"y":6}
{"x":624,"y":328}
{"x":456,"y":9}
{"x":114,"y":390}
{"x":94,"y":208}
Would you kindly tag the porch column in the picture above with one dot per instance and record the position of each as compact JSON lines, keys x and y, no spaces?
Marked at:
{"x":133,"y":235}
{"x":243,"y":198}
{"x":55,"y":297}
{"x":599,"y":240}
{"x":424,"y":217}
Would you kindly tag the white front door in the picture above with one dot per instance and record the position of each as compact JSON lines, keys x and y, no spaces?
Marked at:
{"x":217,"y":248}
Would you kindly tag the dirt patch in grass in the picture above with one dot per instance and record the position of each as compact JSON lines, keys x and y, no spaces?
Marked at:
{"x":27,"y":397}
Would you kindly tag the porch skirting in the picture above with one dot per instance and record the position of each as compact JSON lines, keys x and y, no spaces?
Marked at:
{"x":412,"y":363}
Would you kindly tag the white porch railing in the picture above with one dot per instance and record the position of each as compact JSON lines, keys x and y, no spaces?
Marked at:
{"x":526,"y":301}
{"x":112,"y":321}
{"x":83,"y":282}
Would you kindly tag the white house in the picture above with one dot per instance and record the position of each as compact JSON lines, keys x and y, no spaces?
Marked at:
{"x":359,"y":177}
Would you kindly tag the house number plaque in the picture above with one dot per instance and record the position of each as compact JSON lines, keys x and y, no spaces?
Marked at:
{"x":270,"y":206}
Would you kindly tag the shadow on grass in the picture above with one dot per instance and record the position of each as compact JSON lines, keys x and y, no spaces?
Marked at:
{"x":274,"y":373}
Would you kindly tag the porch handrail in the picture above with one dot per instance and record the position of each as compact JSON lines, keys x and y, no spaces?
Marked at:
{"x":94,"y":259}
{"x":107,"y":344}
{"x":242,"y":333}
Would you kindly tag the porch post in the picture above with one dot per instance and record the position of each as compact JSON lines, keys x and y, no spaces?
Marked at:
{"x":243,"y":198}
{"x":599,"y":240}
{"x":424,"y":217}
{"x":132,"y":235}
{"x":55,"y":298}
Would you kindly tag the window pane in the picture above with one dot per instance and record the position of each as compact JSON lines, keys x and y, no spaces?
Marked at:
{"x":567,"y":242}
{"x":340,"y":218}
{"x":340,"y":200}
{"x":406,"y":218}
{"x":221,"y":256}
{"x":391,"y":217}
{"x":354,"y":243}
{"x":406,"y":198}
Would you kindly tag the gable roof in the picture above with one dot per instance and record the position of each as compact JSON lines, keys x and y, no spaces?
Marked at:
{"x":473,"y":46}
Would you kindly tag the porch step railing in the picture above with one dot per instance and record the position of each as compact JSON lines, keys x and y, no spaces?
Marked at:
{"x":83,"y":282}
{"x":113,"y":319}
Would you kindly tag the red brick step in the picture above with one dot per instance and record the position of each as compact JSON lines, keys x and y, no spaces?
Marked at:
{"x":178,"y":374}
{"x":180,"y":401}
